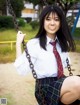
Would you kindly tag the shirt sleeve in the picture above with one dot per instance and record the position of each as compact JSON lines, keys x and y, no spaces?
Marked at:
{"x":22,"y":64}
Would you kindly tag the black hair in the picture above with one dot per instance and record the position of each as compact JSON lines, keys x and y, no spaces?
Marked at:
{"x":63,"y":34}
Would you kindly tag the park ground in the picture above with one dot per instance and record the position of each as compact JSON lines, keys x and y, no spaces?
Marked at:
{"x":19,"y":90}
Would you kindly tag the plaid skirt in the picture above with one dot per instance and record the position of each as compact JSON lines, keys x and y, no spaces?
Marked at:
{"x":47,"y":90}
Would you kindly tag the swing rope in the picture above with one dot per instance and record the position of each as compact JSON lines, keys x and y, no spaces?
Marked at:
{"x":24,"y":44}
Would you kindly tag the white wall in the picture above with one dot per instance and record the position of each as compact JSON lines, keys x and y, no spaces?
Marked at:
{"x":32,"y":15}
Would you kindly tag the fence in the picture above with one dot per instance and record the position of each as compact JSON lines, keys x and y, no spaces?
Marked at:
{"x":10,"y":42}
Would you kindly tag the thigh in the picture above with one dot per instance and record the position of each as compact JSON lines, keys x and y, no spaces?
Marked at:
{"x":69,"y":84}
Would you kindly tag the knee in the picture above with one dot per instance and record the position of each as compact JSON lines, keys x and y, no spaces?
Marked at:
{"x":76,"y":86}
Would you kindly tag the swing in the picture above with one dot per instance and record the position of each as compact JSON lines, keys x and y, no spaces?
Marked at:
{"x":26,"y":50}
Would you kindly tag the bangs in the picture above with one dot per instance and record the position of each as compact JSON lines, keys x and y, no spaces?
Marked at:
{"x":51,"y":9}
{"x":53,"y":13}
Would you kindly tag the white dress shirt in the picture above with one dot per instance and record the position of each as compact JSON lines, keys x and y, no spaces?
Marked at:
{"x":44,"y":61}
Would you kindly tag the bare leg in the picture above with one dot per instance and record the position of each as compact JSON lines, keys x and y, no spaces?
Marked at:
{"x":70,"y":90}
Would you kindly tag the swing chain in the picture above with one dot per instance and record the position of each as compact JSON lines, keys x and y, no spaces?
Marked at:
{"x":69,"y":67}
{"x":24,"y":44}
{"x":30,"y":63}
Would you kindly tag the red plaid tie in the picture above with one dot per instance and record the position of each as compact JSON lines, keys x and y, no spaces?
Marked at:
{"x":58,"y":59}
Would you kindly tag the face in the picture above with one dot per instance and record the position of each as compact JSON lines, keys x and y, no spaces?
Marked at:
{"x":51,"y":25}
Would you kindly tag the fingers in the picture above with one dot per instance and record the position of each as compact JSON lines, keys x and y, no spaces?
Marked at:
{"x":20,"y":37}
{"x":20,"y":32}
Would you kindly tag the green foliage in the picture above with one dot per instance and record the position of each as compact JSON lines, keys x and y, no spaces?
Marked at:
{"x":21,"y":22}
{"x":2,"y":3}
{"x":17,"y":6}
{"x":41,"y":2}
{"x":34,"y":24}
{"x":3,"y":6}
{"x":6,"y":22}
{"x":77,"y":45}
{"x":77,"y":33}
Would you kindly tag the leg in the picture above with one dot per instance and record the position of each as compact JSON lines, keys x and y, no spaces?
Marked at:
{"x":70,"y":90}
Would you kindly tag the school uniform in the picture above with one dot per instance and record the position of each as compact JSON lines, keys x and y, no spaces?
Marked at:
{"x":47,"y":84}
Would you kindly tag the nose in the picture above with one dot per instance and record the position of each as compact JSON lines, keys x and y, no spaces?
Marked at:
{"x":52,"y":22}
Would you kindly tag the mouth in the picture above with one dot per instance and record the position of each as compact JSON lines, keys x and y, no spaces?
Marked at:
{"x":52,"y":28}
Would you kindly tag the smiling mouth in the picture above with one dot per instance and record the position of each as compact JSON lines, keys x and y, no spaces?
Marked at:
{"x":52,"y":29}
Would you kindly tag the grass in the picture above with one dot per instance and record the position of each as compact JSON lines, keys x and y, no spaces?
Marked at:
{"x":77,"y":32}
{"x":10,"y":34}
{"x":77,"y":45}
{"x":8,"y":55}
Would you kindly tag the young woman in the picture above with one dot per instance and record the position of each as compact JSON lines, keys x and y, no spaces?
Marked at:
{"x":51,"y":84}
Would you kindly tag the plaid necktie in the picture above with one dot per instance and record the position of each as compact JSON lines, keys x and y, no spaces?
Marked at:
{"x":58,"y":59}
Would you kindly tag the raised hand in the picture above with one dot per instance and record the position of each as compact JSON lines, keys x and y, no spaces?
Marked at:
{"x":20,"y":37}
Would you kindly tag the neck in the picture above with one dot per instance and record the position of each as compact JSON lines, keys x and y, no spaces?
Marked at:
{"x":51,"y":36}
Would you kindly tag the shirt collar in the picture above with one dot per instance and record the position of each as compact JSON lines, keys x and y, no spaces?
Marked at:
{"x":51,"y":40}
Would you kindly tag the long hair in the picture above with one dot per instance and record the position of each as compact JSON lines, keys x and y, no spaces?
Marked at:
{"x":63,"y":34}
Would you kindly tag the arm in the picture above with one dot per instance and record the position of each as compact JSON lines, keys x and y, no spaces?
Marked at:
{"x":20,"y":37}
{"x":21,"y":63}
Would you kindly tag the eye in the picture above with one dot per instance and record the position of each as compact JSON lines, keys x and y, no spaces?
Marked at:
{"x":56,"y":19}
{"x":48,"y":18}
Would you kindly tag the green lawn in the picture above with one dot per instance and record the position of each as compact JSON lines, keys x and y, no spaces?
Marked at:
{"x":8,"y":55}
{"x":10,"y":34}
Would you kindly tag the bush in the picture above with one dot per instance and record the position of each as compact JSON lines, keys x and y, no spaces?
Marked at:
{"x":21,"y":22}
{"x":6,"y":22}
{"x":34,"y":24}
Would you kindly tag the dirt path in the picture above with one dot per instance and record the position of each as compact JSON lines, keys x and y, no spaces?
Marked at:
{"x":19,"y":90}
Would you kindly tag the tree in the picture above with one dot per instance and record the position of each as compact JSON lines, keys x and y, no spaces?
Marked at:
{"x":2,"y":7}
{"x":64,"y":4}
{"x":17,"y":6}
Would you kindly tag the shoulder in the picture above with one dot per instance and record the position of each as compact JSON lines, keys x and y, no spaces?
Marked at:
{"x":33,"y":43}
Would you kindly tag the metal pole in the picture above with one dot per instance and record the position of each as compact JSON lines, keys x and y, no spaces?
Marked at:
{"x":75,"y":22}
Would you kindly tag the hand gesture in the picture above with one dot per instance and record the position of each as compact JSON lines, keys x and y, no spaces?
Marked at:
{"x":20,"y":37}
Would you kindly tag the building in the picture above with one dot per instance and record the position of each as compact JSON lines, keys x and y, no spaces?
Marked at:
{"x":30,"y":11}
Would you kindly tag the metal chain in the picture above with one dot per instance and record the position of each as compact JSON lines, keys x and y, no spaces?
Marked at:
{"x":24,"y":44}
{"x":69,"y":67}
